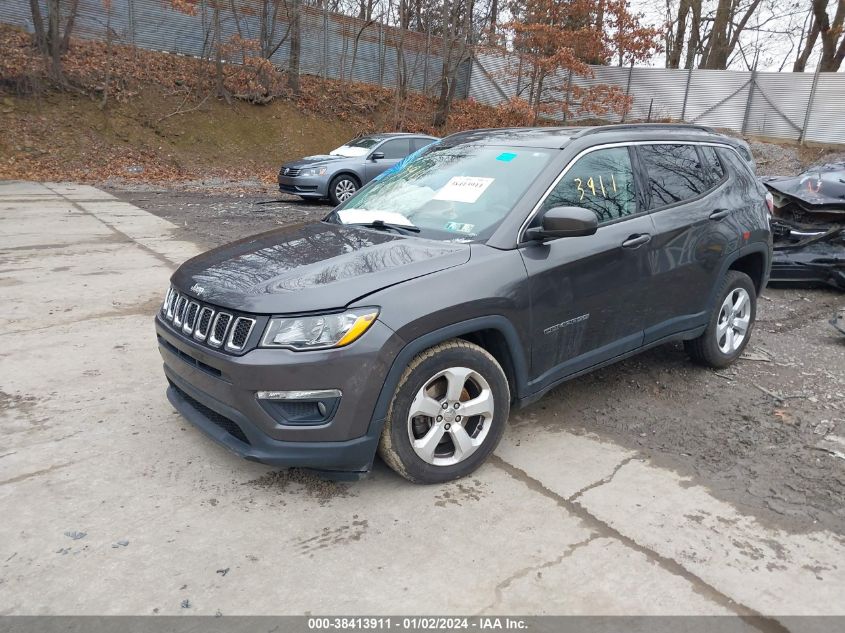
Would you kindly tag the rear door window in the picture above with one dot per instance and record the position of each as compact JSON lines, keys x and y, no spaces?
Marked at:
{"x":602,"y":181}
{"x":395,"y":148}
{"x":673,"y":173}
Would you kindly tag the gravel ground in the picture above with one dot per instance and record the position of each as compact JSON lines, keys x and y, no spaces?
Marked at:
{"x":767,"y":434}
{"x":215,"y":218}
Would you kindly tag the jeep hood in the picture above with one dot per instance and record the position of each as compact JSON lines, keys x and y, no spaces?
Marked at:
{"x":310,"y":268}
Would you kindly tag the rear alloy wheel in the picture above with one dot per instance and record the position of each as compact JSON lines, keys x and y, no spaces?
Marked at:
{"x":342,"y":188}
{"x":448,"y":413}
{"x":730,"y":325}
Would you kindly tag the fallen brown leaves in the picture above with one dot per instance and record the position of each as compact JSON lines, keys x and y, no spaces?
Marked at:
{"x":107,"y":77}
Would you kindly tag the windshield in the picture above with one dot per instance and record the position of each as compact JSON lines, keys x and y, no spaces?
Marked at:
{"x":358,"y":147}
{"x":456,"y":193}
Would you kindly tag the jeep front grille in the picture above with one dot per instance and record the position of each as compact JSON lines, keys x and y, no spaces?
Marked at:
{"x":206,"y":324}
{"x":240,"y":333}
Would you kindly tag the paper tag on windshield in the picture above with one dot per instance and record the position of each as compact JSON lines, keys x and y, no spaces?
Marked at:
{"x":365,"y":216}
{"x":463,"y":189}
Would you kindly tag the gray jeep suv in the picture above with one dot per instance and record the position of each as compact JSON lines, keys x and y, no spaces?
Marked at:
{"x":340,"y":173}
{"x":486,"y":272}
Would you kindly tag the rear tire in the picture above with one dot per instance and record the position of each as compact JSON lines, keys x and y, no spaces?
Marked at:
{"x":426,"y":439}
{"x":730,"y":325}
{"x":342,"y":187}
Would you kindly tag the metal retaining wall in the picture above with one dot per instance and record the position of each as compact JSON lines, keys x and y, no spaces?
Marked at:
{"x":794,"y":106}
{"x":767,"y":104}
{"x":328,"y":39}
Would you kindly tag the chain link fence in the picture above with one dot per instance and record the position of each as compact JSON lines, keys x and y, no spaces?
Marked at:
{"x":789,"y":106}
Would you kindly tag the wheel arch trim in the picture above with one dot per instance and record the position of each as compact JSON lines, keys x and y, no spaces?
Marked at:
{"x":760,"y":248}
{"x":456,"y":330}
{"x":346,"y":172}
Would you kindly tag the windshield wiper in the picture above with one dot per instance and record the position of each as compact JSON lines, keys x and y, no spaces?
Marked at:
{"x":381,"y":225}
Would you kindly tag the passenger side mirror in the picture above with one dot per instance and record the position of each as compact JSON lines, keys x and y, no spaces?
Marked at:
{"x":564,"y":222}
{"x":376,"y":156}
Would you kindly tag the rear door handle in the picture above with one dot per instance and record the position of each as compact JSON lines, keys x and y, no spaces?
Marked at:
{"x":720,"y":214}
{"x":636,"y":240}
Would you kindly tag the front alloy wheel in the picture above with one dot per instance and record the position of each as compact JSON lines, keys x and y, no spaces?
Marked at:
{"x":450,"y":416}
{"x":341,"y":189}
{"x":447,"y":415}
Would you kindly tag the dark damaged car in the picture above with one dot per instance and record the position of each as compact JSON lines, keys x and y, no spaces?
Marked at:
{"x":485,"y":273}
{"x":808,"y":224}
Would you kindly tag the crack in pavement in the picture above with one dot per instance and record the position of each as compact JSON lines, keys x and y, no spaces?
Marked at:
{"x":36,"y":473}
{"x":750,"y":616}
{"x":522,"y":573}
{"x":606,"y":480}
{"x":162,"y":258}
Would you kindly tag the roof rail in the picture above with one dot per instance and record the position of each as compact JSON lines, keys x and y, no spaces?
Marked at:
{"x":643,"y":126}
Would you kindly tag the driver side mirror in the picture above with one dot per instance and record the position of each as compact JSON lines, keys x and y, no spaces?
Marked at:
{"x":564,"y":222}
{"x":376,"y":156}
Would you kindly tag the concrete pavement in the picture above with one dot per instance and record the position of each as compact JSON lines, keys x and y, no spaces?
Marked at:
{"x":112,"y":504}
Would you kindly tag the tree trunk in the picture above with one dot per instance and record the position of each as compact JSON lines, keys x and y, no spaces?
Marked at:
{"x":716,"y":55}
{"x":494,"y":18}
{"x":40,"y":36}
{"x":673,"y":55}
{"x":801,"y":61}
{"x":295,"y":47}
{"x":832,"y":54}
{"x":54,"y":37}
{"x":695,"y":35}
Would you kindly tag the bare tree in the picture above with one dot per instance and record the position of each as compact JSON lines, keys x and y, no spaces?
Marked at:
{"x":50,"y":40}
{"x":833,"y":37}
{"x":455,"y":48}
{"x":805,"y":47}
{"x":295,"y":46}
{"x":728,"y":24}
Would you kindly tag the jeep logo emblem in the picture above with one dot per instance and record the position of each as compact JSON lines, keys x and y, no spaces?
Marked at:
{"x":197,"y":289}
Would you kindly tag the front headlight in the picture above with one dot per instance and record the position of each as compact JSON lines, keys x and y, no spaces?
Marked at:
{"x":315,"y":171}
{"x":319,"y":332}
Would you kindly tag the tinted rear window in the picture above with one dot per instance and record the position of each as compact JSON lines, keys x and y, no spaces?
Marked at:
{"x":712,"y":165}
{"x":419,"y":143}
{"x":674,"y":173}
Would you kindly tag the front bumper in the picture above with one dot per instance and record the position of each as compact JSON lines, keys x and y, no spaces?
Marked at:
{"x":217,"y":393}
{"x":305,"y":186}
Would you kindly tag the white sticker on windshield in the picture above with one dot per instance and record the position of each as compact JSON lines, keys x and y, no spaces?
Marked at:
{"x":365,"y":216}
{"x":459,"y":227}
{"x":463,"y":189}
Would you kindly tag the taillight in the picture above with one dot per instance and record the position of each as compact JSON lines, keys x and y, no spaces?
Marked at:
{"x":770,"y":203}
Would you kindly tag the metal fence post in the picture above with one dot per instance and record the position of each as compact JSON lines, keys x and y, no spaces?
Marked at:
{"x":751,"y":83}
{"x":427,"y":55}
{"x":628,"y":90}
{"x":803,"y":136}
{"x":686,"y":95}
{"x":568,"y":94}
{"x":325,"y":40}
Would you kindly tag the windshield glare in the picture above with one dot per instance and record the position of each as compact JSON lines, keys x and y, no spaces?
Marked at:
{"x":461,"y":192}
{"x":358,"y":147}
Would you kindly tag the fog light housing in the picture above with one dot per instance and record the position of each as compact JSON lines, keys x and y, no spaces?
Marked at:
{"x":300,"y":408}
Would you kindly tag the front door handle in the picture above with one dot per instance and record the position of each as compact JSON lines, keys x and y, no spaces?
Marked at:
{"x":720,"y":214}
{"x":636,"y":240}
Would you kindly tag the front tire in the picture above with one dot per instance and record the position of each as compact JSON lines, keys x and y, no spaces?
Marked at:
{"x":447,"y":415}
{"x":730,"y":325}
{"x":342,"y":188}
